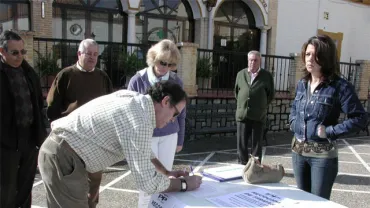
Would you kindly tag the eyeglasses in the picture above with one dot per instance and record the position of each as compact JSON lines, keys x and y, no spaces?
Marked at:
{"x":177,"y":112}
{"x":16,"y":52}
{"x":166,"y":64}
{"x":91,"y":54}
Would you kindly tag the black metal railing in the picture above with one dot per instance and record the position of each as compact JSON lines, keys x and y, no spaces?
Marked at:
{"x":118,"y":60}
{"x":217,"y":70}
{"x":350,"y":72}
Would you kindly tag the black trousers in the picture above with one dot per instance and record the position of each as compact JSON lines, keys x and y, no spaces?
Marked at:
{"x":249,"y":132}
{"x":18,"y":169}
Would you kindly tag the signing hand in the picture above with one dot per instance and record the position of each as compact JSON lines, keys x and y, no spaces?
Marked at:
{"x":193,"y":182}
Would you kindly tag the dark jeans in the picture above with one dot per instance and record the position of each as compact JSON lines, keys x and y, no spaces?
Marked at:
{"x":315,"y":175}
{"x":249,"y":132}
{"x":18,"y":169}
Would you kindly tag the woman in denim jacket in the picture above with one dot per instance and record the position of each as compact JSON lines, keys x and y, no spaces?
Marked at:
{"x":321,"y":96}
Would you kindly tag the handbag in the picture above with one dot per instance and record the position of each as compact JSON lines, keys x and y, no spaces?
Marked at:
{"x":254,"y":172}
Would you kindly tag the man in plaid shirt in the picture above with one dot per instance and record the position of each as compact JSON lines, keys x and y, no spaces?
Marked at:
{"x":105,"y":131}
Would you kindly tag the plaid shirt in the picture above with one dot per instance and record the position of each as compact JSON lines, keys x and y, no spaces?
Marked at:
{"x":111,"y":128}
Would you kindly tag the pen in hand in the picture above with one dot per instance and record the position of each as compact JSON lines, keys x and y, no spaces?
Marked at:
{"x":191,"y":170}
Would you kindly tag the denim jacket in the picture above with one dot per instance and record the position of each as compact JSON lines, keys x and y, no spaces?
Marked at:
{"x":330,"y":98}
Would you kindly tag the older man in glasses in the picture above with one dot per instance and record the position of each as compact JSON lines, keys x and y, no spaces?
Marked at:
{"x":22,"y":130}
{"x":70,"y":90}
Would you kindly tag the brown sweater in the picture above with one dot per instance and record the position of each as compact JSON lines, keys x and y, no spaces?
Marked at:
{"x":73,"y":88}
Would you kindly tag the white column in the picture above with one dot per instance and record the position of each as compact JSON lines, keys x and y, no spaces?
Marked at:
{"x":210,"y":30}
{"x":263,"y":43}
{"x":131,"y":26}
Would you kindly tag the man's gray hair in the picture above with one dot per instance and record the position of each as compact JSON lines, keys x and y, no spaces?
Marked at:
{"x":257,"y":53}
{"x":85,"y":43}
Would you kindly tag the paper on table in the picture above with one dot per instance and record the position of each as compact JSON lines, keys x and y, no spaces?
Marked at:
{"x":165,"y":200}
{"x":206,"y":190}
{"x":257,"y":197}
{"x":225,"y":172}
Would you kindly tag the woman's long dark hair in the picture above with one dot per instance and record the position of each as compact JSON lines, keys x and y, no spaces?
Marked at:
{"x":326,"y":56}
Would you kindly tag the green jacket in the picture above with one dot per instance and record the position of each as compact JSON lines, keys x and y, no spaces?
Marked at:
{"x":253,"y":100}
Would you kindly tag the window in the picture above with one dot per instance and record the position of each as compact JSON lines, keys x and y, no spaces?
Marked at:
{"x":14,"y":15}
{"x":99,"y":19}
{"x":164,"y":19}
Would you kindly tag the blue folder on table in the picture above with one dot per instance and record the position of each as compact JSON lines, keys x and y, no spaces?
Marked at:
{"x":224,"y":173}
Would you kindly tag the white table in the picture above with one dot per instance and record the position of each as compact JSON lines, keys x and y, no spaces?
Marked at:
{"x":186,"y":199}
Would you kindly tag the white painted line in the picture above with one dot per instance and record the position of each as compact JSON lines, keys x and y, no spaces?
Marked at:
{"x":114,"y":168}
{"x":340,"y":161}
{"x":360,"y":138}
{"x":352,"y":191}
{"x":271,"y":147}
{"x":123,"y":190}
{"x":285,"y":157}
{"x":227,"y":153}
{"x":196,"y":169}
{"x":228,"y":150}
{"x":278,"y":145}
{"x":38,"y":183}
{"x":339,"y":173}
{"x":33,"y":206}
{"x":358,"y":156}
{"x":352,"y":153}
{"x":195,"y":153}
{"x":114,"y":181}
{"x":361,"y":145}
{"x":199,"y":161}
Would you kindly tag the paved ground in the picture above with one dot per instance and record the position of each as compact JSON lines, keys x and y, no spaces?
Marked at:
{"x":352,"y":186}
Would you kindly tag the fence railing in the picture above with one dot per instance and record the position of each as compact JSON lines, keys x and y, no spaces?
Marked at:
{"x":118,"y":60}
{"x":350,"y":72}
{"x":217,"y":70}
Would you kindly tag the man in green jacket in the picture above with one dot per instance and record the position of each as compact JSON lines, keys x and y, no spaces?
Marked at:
{"x":254,"y":91}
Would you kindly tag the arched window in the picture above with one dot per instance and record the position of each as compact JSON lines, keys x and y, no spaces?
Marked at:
{"x":235,"y":27}
{"x":14,"y":14}
{"x":164,"y":19}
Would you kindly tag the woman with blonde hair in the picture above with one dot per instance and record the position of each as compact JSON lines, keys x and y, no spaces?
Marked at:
{"x":162,"y":59}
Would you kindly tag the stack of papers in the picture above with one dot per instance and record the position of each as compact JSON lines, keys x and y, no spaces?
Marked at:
{"x":225,"y":173}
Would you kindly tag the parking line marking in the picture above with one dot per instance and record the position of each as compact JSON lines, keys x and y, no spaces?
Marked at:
{"x":356,"y":138}
{"x":114,"y":168}
{"x":358,"y":156}
{"x":123,"y":190}
{"x":339,"y":173}
{"x":195,"y":153}
{"x":340,"y":161}
{"x":38,"y":183}
{"x":115,"y":181}
{"x":196,"y":169}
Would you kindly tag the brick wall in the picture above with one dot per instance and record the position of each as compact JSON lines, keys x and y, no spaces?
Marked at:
{"x":43,"y":27}
{"x":187,"y":67}
{"x":364,"y":75}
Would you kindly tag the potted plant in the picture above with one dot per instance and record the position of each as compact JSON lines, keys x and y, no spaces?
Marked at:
{"x":48,"y":67}
{"x":130,"y":63}
{"x":204,"y":72}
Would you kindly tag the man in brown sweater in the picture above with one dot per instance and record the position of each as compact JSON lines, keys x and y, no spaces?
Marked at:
{"x":75,"y":86}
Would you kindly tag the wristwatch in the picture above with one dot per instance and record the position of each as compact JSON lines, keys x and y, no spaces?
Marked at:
{"x":184,"y":185}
